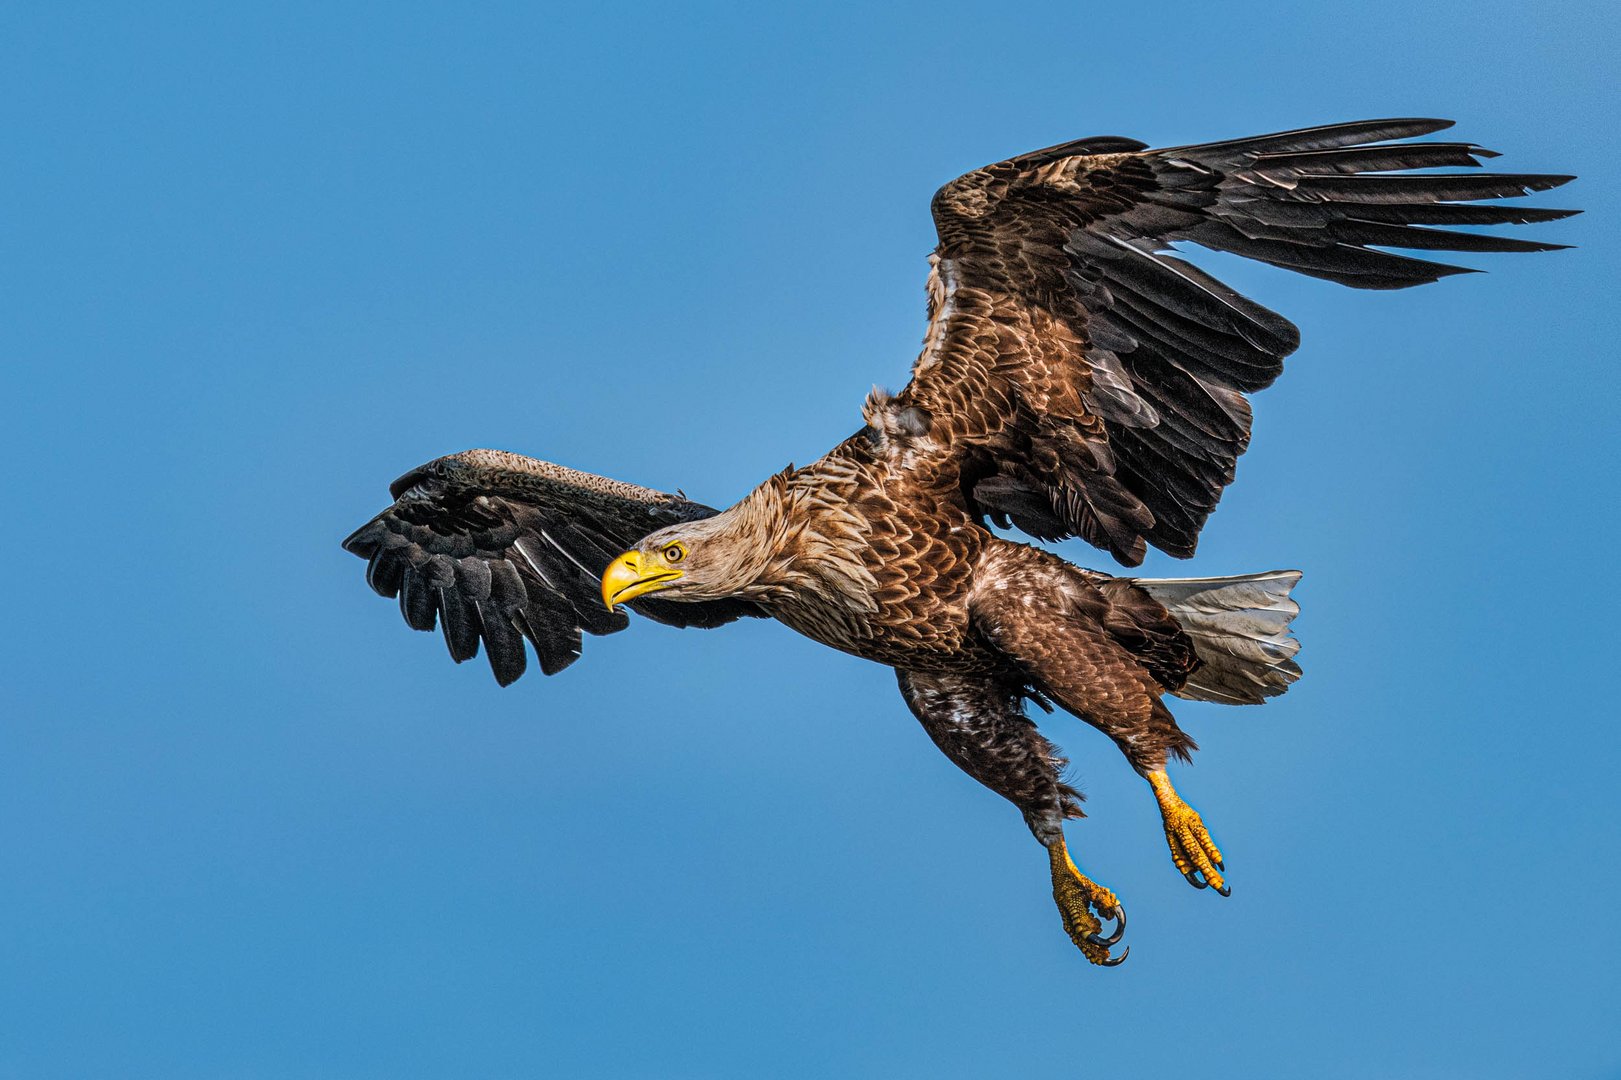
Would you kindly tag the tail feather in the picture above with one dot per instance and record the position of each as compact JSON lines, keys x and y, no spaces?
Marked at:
{"x":1240,"y":631}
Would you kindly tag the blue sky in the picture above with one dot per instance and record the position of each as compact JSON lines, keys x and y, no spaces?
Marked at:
{"x":262,"y":259}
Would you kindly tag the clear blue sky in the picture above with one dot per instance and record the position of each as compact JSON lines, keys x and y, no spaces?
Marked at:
{"x":259,"y":260}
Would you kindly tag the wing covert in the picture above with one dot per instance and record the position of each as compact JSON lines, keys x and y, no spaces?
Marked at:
{"x":1091,"y":384}
{"x":495,"y":548}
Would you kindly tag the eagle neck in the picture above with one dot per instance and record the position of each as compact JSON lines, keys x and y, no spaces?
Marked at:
{"x":802,"y":546}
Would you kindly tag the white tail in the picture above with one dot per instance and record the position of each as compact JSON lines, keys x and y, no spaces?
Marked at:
{"x":1240,"y":631}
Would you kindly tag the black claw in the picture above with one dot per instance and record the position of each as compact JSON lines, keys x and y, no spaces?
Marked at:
{"x":1221,"y":866}
{"x":1119,"y":930}
{"x":1194,"y":879}
{"x":1225,"y":890}
{"x":1116,"y":961}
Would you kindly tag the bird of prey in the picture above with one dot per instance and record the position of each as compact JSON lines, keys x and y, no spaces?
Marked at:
{"x":1076,"y":380}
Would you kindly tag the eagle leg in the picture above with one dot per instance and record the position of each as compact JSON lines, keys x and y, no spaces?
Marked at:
{"x":1104,"y":650}
{"x":1077,"y":897}
{"x":1194,"y":853}
{"x":979,"y":722}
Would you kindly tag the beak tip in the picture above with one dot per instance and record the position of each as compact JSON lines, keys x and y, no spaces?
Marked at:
{"x":620,"y":575}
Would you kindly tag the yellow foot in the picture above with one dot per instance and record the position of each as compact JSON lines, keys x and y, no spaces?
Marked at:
{"x":1194,"y":853}
{"x":1078,"y":896}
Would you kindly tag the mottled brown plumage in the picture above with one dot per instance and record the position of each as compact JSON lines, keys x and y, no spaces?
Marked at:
{"x":1075,"y":380}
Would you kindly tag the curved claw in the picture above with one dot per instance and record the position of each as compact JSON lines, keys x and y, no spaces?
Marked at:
{"x":1114,"y":937}
{"x":1195,"y":880}
{"x":1225,"y":890}
{"x":1116,"y":961}
{"x":1221,"y":866}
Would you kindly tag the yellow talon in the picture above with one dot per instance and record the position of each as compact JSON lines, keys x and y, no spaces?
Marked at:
{"x":1194,"y":853}
{"x":1078,"y":896}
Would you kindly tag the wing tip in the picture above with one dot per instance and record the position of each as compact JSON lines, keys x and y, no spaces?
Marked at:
{"x":359,"y":543}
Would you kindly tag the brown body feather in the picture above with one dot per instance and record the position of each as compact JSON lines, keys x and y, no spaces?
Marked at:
{"x":915,"y":582}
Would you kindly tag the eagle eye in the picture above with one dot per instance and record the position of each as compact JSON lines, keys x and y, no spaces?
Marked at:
{"x":674,"y":553}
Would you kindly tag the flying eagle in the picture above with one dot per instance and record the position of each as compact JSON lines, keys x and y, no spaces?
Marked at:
{"x":1076,"y":380}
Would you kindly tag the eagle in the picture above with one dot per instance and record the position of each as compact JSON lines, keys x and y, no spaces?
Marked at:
{"x":1076,"y":379}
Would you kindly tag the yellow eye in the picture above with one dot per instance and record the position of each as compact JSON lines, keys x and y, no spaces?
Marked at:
{"x":674,"y":553}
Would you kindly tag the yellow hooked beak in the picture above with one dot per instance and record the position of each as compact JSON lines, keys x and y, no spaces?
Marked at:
{"x":626,"y":579}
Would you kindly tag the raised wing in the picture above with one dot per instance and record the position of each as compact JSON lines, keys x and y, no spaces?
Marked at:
{"x":495,"y":547}
{"x":1092,"y":385}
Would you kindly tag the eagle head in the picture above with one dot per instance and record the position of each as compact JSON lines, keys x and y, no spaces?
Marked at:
{"x":738,"y":552}
{"x":696,"y":560}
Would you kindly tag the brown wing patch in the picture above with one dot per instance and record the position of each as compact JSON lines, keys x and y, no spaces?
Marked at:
{"x":1093,"y":385}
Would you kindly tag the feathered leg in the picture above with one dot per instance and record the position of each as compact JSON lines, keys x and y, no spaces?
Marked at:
{"x":980,"y":725}
{"x":1099,"y":647}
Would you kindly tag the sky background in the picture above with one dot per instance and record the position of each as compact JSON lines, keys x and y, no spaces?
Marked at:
{"x":261,"y":259}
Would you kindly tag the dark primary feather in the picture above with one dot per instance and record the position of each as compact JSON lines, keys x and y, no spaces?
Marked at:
{"x":494,"y":547}
{"x":1090,"y":383}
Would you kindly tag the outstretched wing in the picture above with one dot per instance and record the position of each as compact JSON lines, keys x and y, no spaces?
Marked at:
{"x":1091,"y":385}
{"x":497,"y":548}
